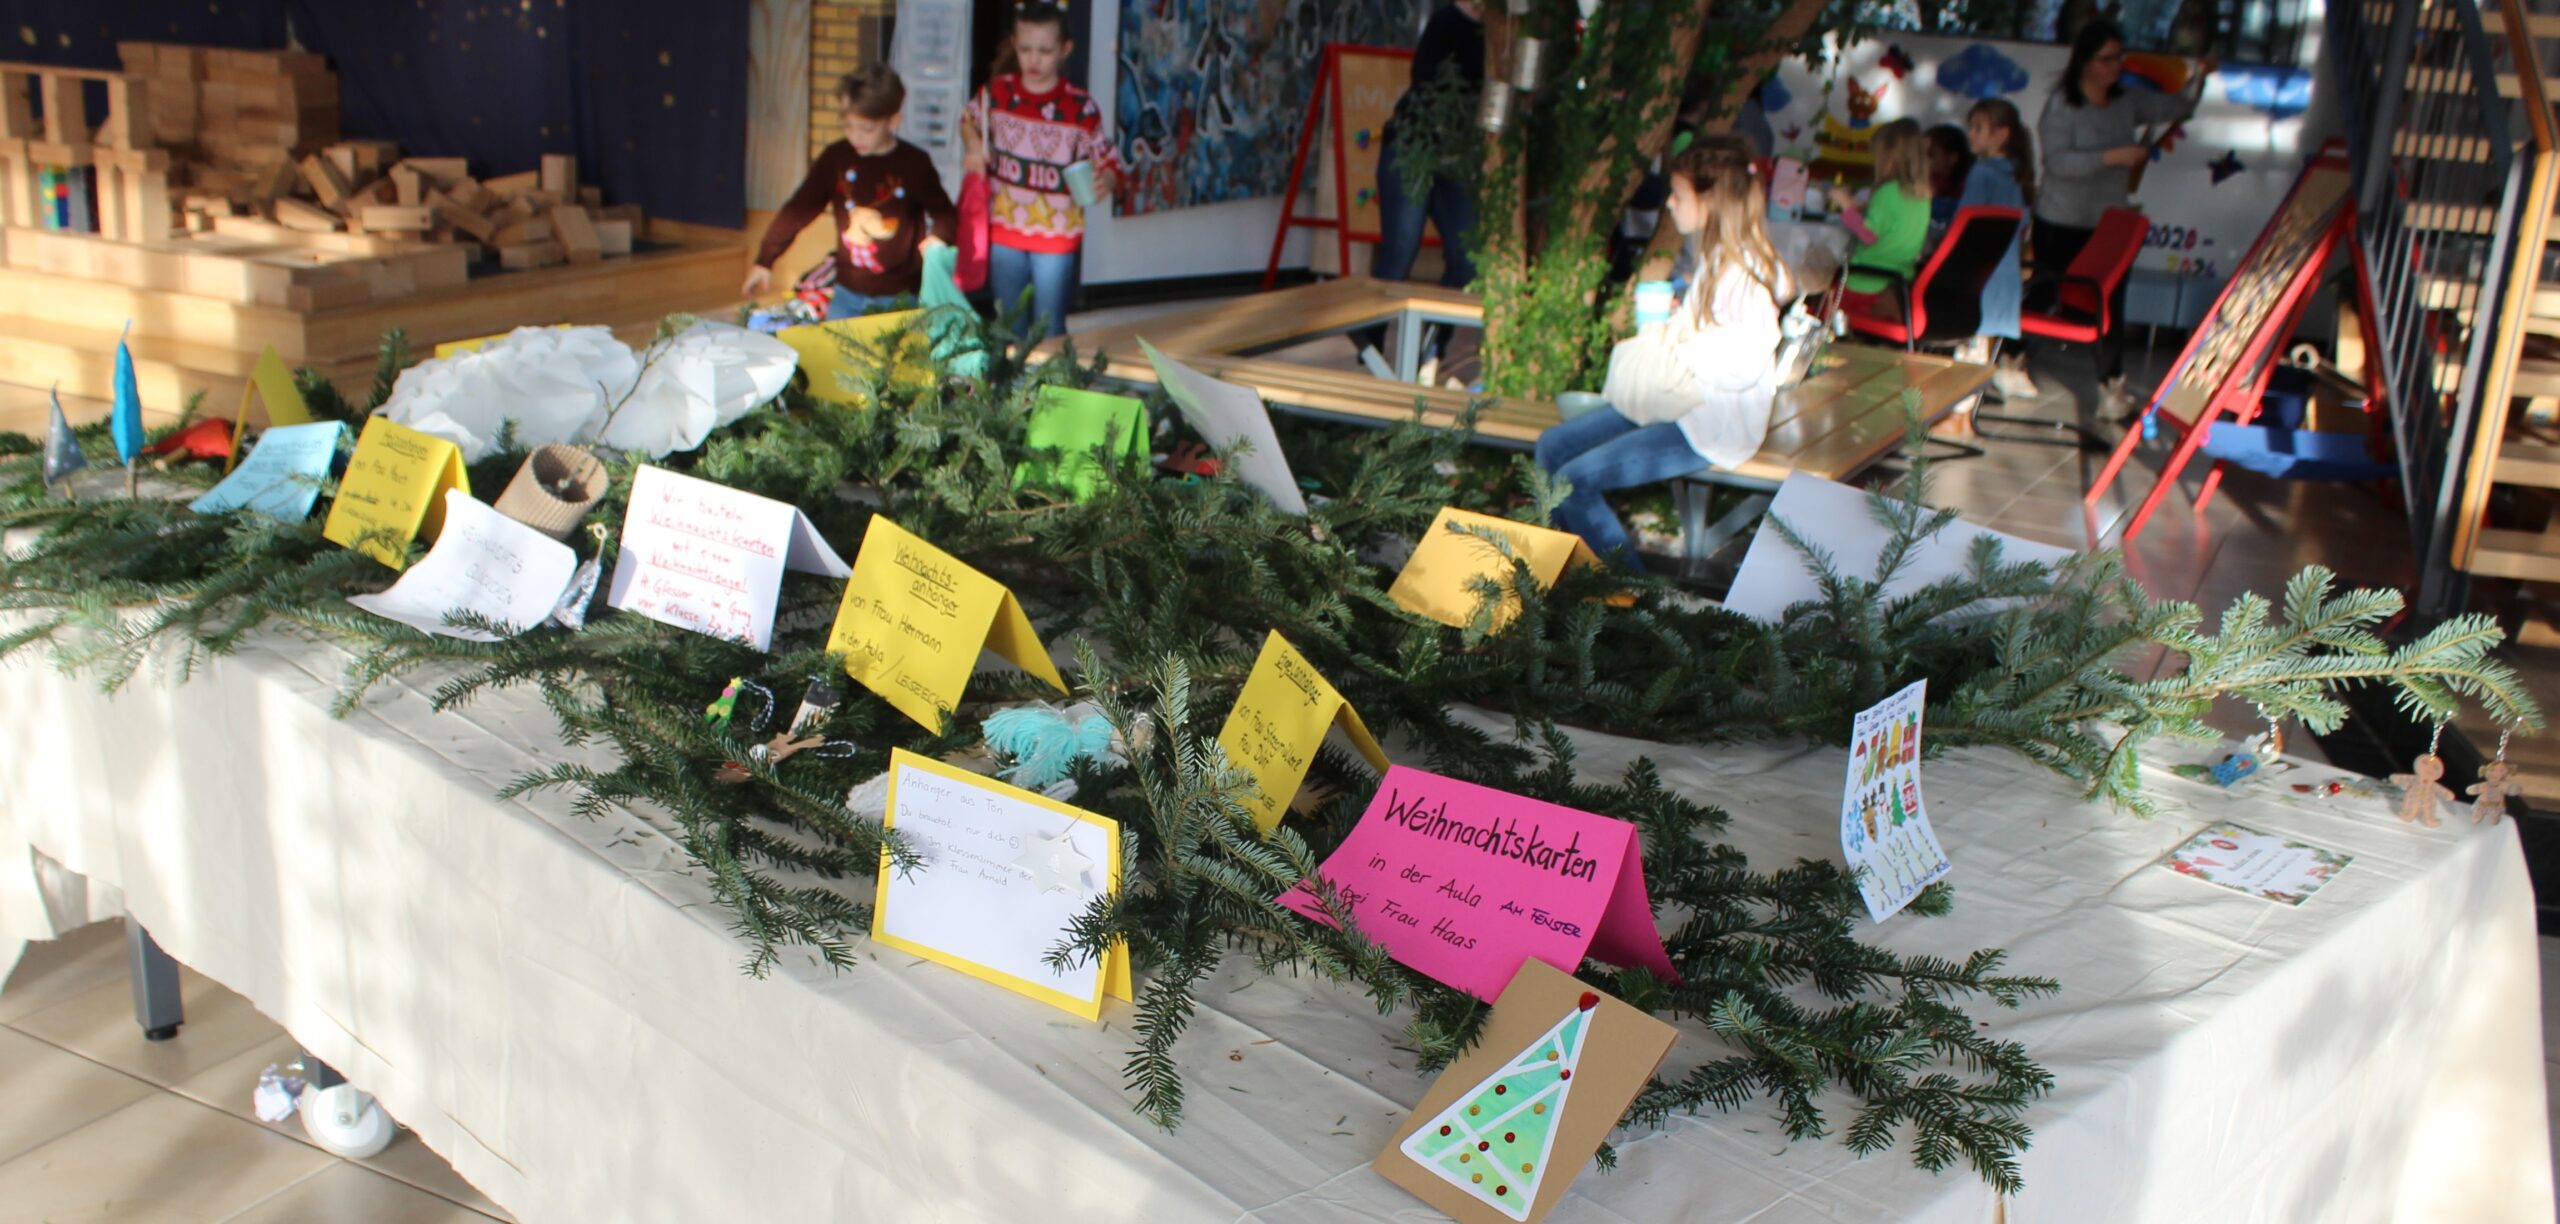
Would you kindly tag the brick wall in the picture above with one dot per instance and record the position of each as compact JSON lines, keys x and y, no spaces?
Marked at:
{"x":843,"y":35}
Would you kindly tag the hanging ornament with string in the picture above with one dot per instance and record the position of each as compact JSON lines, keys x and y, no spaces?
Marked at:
{"x":2497,"y":781}
{"x":2425,"y":790}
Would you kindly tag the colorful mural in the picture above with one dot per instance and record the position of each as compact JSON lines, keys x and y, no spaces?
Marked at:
{"x":1210,"y":93}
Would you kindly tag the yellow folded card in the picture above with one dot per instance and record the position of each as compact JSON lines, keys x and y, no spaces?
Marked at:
{"x":1006,"y":872}
{"x":842,"y":358}
{"x":1280,"y":720}
{"x":271,"y":383}
{"x":914,"y":617}
{"x":393,"y":491}
{"x":1435,"y":580}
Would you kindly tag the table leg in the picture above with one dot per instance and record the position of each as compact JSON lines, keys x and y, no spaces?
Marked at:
{"x":1408,"y":346}
{"x":155,"y":984}
{"x":1698,"y":540}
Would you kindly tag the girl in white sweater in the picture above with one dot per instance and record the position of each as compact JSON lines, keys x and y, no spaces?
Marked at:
{"x":1693,"y":392}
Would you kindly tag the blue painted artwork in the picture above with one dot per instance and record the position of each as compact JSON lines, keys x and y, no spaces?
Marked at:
{"x":1981,"y":71}
{"x":1211,"y":93}
{"x":2277,"y":93}
{"x":281,"y":478}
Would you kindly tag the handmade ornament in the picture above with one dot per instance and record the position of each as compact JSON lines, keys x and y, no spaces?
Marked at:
{"x":554,"y":489}
{"x":206,"y":439}
{"x":1054,"y":863}
{"x":125,"y":420}
{"x":2424,"y":790}
{"x":720,"y":710}
{"x":1044,"y":742}
{"x":62,"y":453}
{"x":2497,"y":781}
{"x":800,"y":736}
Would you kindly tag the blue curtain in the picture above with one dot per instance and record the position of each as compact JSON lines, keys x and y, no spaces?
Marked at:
{"x":649,"y":95}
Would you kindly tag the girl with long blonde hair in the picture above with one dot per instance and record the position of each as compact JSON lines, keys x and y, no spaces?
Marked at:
{"x":1693,"y":392}
{"x":1892,"y":227}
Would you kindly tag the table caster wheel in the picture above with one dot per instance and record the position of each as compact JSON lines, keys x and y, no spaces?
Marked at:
{"x":162,"y":1033}
{"x":345,"y":1121}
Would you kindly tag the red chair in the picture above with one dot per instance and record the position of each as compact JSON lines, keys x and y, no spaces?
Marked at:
{"x":1943,"y":304}
{"x":2083,"y":307}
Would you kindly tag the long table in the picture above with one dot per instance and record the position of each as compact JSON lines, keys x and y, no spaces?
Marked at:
{"x":557,"y":1007}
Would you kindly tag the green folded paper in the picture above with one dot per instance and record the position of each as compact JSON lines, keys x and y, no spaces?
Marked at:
{"x":1068,"y":432}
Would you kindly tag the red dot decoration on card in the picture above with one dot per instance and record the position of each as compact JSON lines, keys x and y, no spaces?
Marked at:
{"x":1499,"y":1089}
{"x":1444,"y":1130}
{"x":1589,"y":1001}
{"x":1483,"y":1146}
{"x":1508,"y":1137}
{"x":1564,"y":1075}
{"x":1502,"y":1189}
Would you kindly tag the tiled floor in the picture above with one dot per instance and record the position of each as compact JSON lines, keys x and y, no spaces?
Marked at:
{"x":97,"y":1124}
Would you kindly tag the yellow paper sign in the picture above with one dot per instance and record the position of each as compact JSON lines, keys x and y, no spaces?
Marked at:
{"x":842,"y":358}
{"x":394,"y":491}
{"x":1435,"y":581}
{"x":1005,"y":872}
{"x":914,"y":617}
{"x":1280,"y":720}
{"x":271,"y":383}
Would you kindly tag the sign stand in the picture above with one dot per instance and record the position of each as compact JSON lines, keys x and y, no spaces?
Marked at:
{"x":1377,"y":77}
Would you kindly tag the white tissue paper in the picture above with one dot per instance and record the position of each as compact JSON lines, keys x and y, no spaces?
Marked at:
{"x":579,"y":384}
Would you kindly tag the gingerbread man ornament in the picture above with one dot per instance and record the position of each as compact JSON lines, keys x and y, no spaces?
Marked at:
{"x":2489,"y":794}
{"x":2424,"y":791}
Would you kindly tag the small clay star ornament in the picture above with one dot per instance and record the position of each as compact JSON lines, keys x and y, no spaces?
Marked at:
{"x":2489,"y":794}
{"x":2424,"y":791}
{"x":1054,"y":863}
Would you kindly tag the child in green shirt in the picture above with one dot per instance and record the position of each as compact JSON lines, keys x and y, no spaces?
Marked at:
{"x":1892,"y":228}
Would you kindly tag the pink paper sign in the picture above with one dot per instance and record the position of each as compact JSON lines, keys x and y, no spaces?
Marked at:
{"x":1463,"y":883}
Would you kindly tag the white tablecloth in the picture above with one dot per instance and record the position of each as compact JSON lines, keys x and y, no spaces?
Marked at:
{"x":555,"y":1007}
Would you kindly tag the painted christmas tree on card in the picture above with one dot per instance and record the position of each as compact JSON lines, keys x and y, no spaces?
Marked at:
{"x":1506,"y":1129}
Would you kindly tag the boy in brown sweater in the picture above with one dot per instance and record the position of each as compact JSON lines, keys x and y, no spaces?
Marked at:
{"x":886,"y":198}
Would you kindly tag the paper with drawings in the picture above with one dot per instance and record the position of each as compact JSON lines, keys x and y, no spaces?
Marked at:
{"x":1837,"y":519}
{"x":1884,"y":824}
{"x":1237,"y":426}
{"x":485,"y":564}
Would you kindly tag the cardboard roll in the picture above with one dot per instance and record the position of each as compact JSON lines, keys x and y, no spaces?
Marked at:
{"x":554,"y":489}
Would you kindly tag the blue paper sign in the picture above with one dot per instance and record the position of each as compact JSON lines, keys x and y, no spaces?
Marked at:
{"x":281,"y":478}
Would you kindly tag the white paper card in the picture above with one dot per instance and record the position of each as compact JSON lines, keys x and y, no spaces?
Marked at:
{"x":997,"y":888}
{"x":1237,"y":426}
{"x":709,"y":558}
{"x":1836,"y":518}
{"x":1884,"y":824}
{"x":483,"y":563}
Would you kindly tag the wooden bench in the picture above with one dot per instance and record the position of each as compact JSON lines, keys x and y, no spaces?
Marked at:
{"x":1835,"y":424}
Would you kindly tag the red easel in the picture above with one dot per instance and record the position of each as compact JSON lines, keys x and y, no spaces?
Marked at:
{"x":1328,"y":93}
{"x":2231,"y":357}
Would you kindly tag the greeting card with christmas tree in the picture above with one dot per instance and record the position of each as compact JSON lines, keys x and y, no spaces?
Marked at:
{"x":1508,"y":1127}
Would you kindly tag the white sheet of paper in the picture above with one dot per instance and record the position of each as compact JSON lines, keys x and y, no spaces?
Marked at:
{"x":1237,"y":425}
{"x":976,"y":897}
{"x":483,"y":563}
{"x":1884,"y":823}
{"x":709,"y":558}
{"x":1836,"y":518}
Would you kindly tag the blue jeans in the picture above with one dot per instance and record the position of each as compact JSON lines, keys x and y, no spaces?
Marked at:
{"x":1051,"y":278}
{"x":844,"y":303}
{"x":1600,"y":451}
{"x":1448,"y":206}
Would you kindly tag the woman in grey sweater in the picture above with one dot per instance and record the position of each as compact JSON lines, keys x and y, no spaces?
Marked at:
{"x":2089,"y":133}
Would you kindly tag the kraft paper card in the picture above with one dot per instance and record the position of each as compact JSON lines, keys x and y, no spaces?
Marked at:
{"x":283,"y":476}
{"x":484,"y":564}
{"x":271,"y":384}
{"x":1006,"y":872}
{"x":1884,"y":824}
{"x":914,"y":619}
{"x":1436,"y":581}
{"x":2243,"y":859}
{"x":1504,"y":1131}
{"x":843,"y":358}
{"x":710,"y":558}
{"x":1462,"y":882}
{"x":1237,"y":425}
{"x":1279,"y":721}
{"x":393,"y":491}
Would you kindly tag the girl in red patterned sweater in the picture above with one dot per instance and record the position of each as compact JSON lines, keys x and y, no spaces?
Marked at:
{"x":1024,"y":131}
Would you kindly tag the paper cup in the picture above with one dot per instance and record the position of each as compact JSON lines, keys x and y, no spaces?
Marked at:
{"x":1653,"y":303}
{"x":554,"y":489}
{"x":1080,"y":183}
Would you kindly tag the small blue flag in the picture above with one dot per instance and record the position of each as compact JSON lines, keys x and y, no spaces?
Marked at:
{"x":62,"y":455}
{"x":128,"y":410}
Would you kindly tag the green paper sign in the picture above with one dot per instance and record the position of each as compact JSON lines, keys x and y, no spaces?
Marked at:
{"x":1068,"y":428}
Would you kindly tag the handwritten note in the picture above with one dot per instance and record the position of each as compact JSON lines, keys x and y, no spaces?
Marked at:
{"x":1839,"y":520}
{"x":484,"y":564}
{"x":843,"y":358}
{"x":1463,"y":883}
{"x":709,"y":558}
{"x":1006,"y":872}
{"x":2243,"y":859}
{"x":270,"y":383}
{"x":392,"y":492}
{"x":1237,"y":425}
{"x":1884,"y":825}
{"x":914,"y":619}
{"x":282,"y":477}
{"x":1280,"y":720}
{"x":1437,"y":581}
